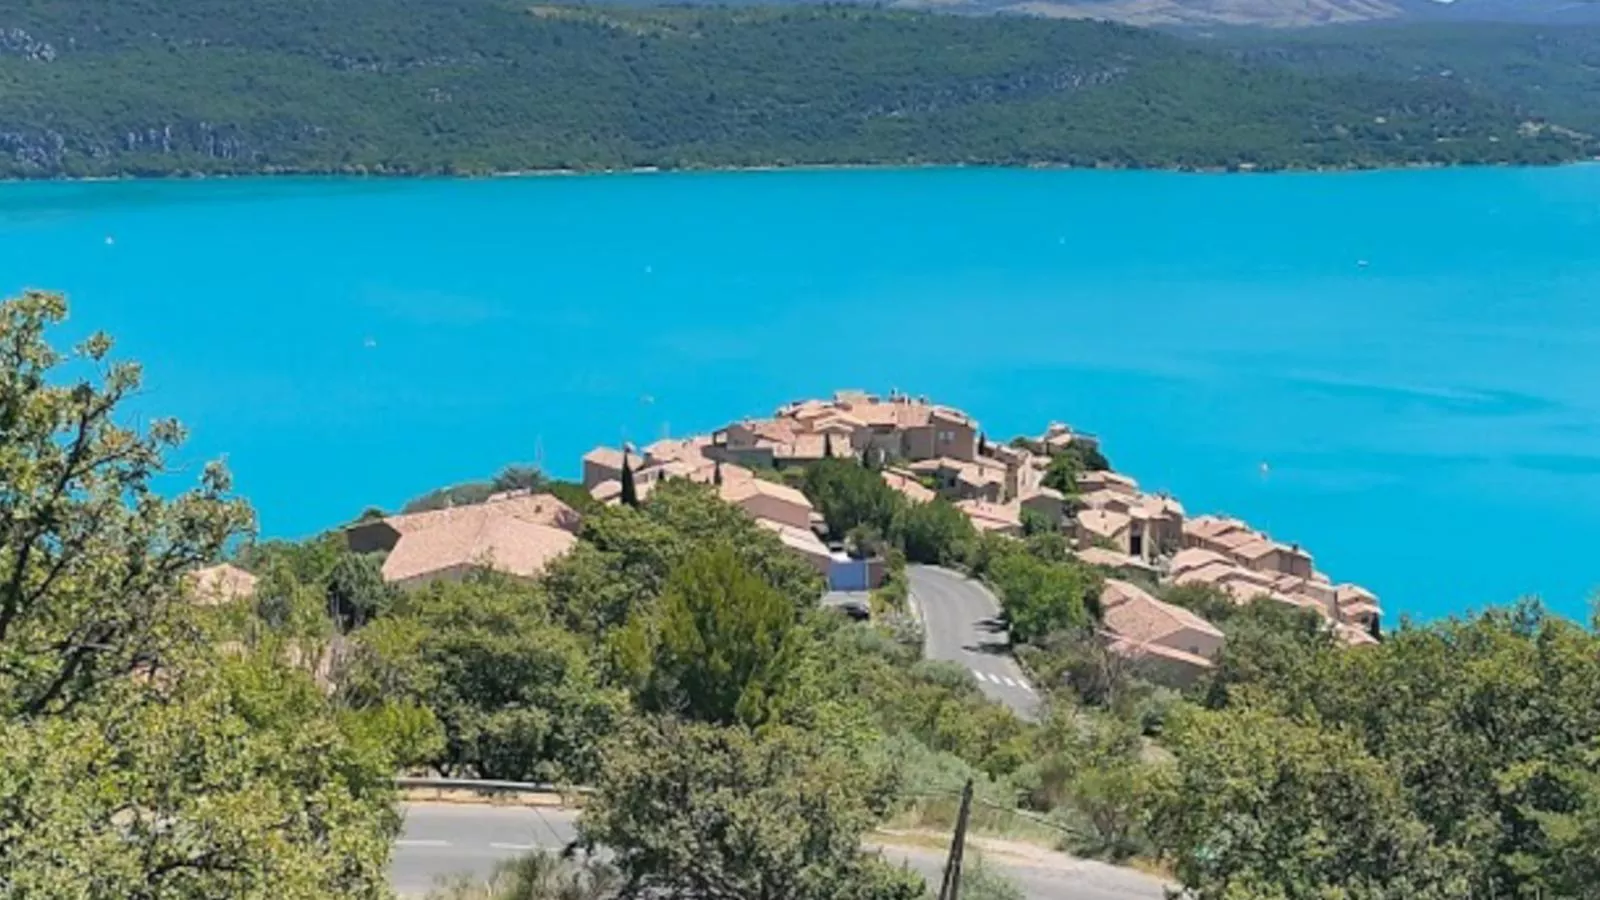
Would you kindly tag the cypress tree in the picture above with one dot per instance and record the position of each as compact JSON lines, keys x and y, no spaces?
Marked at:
{"x":630,"y":494}
{"x":1375,"y":628}
{"x":716,"y":473}
{"x":983,"y":444}
{"x":827,"y":446}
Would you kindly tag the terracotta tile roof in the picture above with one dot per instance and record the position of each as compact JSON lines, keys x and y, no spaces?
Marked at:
{"x":950,"y":415}
{"x":908,"y":485}
{"x":992,"y":516}
{"x":540,"y":509}
{"x":1233,"y":540}
{"x":1158,"y":506}
{"x":977,"y":472}
{"x":1131,"y":613}
{"x":609,"y":457}
{"x":1351,"y":593}
{"x":798,"y":539}
{"x":808,"y":446}
{"x":1255,"y":548}
{"x":742,"y":490}
{"x":481,"y":535}
{"x":221,"y":583}
{"x":1111,"y":559}
{"x":682,"y":449}
{"x":1105,"y":498}
{"x":1094,"y":480}
{"x":1194,"y":558}
{"x":1136,"y":650}
{"x":1213,"y":526}
{"x":1103,"y":522}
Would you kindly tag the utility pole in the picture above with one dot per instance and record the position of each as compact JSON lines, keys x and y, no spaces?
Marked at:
{"x":950,"y":888}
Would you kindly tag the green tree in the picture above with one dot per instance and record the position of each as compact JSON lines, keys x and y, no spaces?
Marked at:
{"x":90,"y":553}
{"x":1207,"y":601}
{"x":1062,"y":475}
{"x":630,"y":493}
{"x":727,"y":643}
{"x":230,"y":779}
{"x":702,"y":812}
{"x":849,"y":495}
{"x":356,"y":591}
{"x":516,"y":695}
{"x":1259,"y":806}
{"x":1039,"y":597}
{"x":935,"y":533}
{"x":134,"y":762}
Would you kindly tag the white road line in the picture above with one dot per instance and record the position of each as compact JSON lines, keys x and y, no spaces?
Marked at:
{"x":1007,"y":680}
{"x":512,"y":846}
{"x":981,"y":676}
{"x":413,"y":843}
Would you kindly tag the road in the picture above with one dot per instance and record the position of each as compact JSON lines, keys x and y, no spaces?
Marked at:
{"x":961,"y":624}
{"x":444,"y":839}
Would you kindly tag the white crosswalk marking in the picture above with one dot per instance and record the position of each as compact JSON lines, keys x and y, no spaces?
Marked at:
{"x":981,"y":676}
{"x":1008,"y":680}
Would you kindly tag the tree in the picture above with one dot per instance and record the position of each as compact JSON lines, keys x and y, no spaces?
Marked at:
{"x":705,"y":813}
{"x":519,"y":478}
{"x":134,"y":760}
{"x":1207,"y":601}
{"x":90,"y":554}
{"x":516,"y":696}
{"x":934,"y":532}
{"x":224,"y":778}
{"x":1260,"y":806}
{"x":827,"y":446}
{"x":727,"y":643}
{"x":849,"y":495}
{"x":356,"y":591}
{"x":630,"y":494}
{"x":1039,"y":597}
{"x":1062,"y":474}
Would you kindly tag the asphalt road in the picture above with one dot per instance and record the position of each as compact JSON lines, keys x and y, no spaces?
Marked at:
{"x":961,"y":624}
{"x":441,"y":840}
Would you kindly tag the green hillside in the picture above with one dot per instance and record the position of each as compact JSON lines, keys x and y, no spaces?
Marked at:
{"x":1544,"y":71}
{"x":415,"y":86}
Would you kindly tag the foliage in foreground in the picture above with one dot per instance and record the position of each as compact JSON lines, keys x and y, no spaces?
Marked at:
{"x":698,"y":811}
{"x":135,"y":761}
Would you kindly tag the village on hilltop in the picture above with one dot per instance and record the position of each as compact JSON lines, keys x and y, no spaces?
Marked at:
{"x":929,"y":451}
{"x":925,"y":452}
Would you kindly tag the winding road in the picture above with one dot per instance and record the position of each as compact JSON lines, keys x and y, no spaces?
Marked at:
{"x":961,"y":624}
{"x":441,"y":840}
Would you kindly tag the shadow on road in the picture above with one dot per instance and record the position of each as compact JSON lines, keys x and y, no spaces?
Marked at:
{"x":998,"y":641}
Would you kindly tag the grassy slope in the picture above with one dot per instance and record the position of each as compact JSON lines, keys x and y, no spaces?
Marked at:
{"x":158,"y":86}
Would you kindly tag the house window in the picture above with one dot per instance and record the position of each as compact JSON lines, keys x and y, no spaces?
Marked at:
{"x":946,"y":437}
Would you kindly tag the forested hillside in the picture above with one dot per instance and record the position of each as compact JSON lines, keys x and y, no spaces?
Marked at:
{"x":415,"y":86}
{"x":1544,"y":71}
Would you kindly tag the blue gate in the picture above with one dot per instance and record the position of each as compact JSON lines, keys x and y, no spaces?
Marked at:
{"x":848,"y":575}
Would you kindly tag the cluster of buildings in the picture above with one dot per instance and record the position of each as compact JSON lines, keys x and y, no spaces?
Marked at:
{"x":923,"y":451}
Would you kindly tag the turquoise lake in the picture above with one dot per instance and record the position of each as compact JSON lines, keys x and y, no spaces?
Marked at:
{"x":1429,"y":421}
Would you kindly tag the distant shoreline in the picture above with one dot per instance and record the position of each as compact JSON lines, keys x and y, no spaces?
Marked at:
{"x":361,"y":172}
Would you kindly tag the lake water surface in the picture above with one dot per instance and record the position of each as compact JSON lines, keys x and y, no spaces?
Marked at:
{"x":1429,"y":421}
